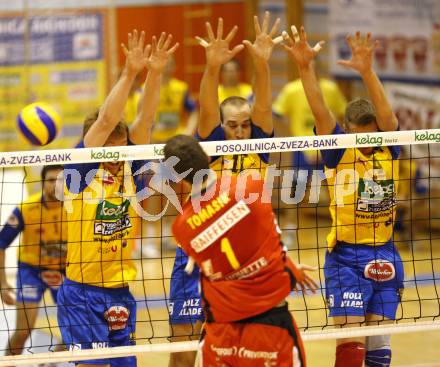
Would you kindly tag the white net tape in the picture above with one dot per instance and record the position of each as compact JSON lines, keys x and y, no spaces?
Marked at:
{"x":136,"y":350}
{"x":273,"y":145}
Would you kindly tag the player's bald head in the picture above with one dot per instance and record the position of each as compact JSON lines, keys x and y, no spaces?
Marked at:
{"x":190,"y":154}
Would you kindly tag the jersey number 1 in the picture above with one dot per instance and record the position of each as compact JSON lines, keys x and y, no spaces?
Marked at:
{"x":226,"y":248}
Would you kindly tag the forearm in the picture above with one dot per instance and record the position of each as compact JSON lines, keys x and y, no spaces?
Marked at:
{"x":208,"y":100}
{"x":385,"y":117}
{"x":262,"y":107}
{"x":2,"y":267}
{"x":325,"y":122}
{"x":110,"y":112}
{"x":192,"y":123}
{"x":140,"y":131}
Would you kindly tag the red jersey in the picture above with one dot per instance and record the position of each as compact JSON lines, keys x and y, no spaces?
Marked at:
{"x":237,"y":246}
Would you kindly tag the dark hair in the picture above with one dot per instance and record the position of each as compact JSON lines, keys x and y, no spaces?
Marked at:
{"x":360,"y":112}
{"x":234,"y":101}
{"x":50,"y":168}
{"x":120,"y":128}
{"x":190,"y":154}
{"x":233,"y":61}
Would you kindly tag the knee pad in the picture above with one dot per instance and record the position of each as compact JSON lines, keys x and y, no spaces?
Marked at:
{"x":378,"y":351}
{"x":351,"y":354}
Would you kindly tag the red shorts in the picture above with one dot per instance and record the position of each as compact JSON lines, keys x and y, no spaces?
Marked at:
{"x":270,"y":339}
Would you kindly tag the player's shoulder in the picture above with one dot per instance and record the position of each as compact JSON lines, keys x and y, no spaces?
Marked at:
{"x":34,"y":199}
{"x":31,"y":205}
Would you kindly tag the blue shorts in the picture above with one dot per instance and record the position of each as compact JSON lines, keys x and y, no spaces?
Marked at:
{"x":92,"y":317}
{"x":185,"y":301}
{"x":33,"y":281}
{"x":362,"y":279}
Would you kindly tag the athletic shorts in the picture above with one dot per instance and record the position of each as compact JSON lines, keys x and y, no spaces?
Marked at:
{"x":269,"y":339}
{"x":33,"y":281}
{"x":93,"y":317}
{"x":185,"y":302}
{"x":362,"y":279}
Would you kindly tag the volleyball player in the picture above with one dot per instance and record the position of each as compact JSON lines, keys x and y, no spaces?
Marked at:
{"x":41,"y":255}
{"x":245,"y":274}
{"x":96,"y":308}
{"x":363,"y":269}
{"x":234,"y":118}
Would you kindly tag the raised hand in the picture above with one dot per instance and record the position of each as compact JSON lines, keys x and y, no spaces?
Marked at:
{"x":306,"y":282}
{"x":299,"y":49}
{"x":217,"y":48}
{"x":362,"y":52}
{"x":161,"y":52}
{"x":136,"y":55}
{"x":261,"y":49}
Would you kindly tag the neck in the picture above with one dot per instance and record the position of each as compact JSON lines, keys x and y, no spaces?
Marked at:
{"x":53,"y":203}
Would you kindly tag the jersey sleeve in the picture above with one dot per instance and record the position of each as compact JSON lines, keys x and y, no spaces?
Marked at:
{"x":332,"y":157}
{"x":11,"y":229}
{"x":218,"y":134}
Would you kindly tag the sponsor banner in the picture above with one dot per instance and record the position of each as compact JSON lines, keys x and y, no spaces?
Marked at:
{"x":408,"y":32}
{"x":418,"y":107}
{"x":60,"y":61}
{"x":216,"y":148}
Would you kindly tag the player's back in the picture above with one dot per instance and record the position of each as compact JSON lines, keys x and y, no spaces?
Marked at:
{"x":237,"y":246}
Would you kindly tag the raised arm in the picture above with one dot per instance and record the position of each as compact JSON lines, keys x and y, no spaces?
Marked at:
{"x":140,"y":130}
{"x":303,"y":55}
{"x":362,"y":52}
{"x":260,"y":52}
{"x":8,"y":233}
{"x":217,"y":53}
{"x":112,"y":109}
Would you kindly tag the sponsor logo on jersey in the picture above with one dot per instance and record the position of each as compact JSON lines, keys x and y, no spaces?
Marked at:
{"x":109,"y":228}
{"x":110,"y":211}
{"x":116,"y":317}
{"x":379,"y":270}
{"x":245,"y":353}
{"x":116,"y":218}
{"x":376,"y":196}
{"x":223,"y":224}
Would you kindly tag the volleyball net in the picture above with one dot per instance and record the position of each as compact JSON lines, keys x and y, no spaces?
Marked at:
{"x":300,"y":199}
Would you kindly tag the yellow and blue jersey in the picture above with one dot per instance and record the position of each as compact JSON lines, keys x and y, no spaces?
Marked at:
{"x":243,"y":90}
{"x":236,"y":163}
{"x":102,"y":223}
{"x":363,"y":193}
{"x":43,"y":233}
{"x":175,"y":101}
